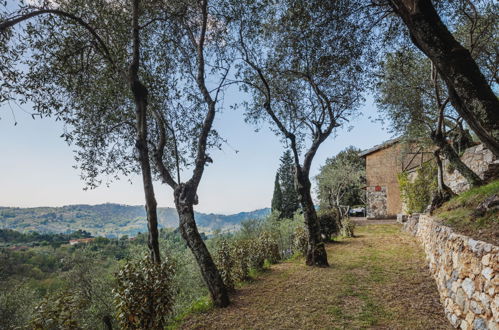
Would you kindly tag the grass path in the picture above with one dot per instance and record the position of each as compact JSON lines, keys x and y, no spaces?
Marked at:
{"x":376,"y":280}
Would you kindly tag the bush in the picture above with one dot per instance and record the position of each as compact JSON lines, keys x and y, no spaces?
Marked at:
{"x":144,"y":294}
{"x":329,"y":222}
{"x":59,"y":311}
{"x":268,"y":247}
{"x":225,"y":263}
{"x":300,"y":241}
{"x":347,"y":227}
{"x":236,"y":257}
{"x":16,"y":305}
{"x":417,"y":194}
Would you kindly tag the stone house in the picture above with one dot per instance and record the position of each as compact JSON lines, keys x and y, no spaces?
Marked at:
{"x":383,"y":164}
{"x":385,"y":161}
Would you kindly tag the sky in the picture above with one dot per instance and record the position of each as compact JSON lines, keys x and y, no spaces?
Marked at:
{"x":36,"y":165}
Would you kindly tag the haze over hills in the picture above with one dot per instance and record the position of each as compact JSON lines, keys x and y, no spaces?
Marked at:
{"x":110,"y":220}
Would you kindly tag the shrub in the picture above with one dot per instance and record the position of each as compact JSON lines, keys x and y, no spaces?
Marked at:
{"x":329,"y":222}
{"x":347,"y":227}
{"x":225,"y":263}
{"x":269,"y":247}
{"x":241,"y":249}
{"x":236,"y":257}
{"x":300,"y":240}
{"x":17,"y":302}
{"x":144,"y":294}
{"x":59,"y":311}
{"x":417,"y":194}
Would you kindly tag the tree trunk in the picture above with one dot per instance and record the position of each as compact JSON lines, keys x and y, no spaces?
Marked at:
{"x":440,"y":171}
{"x":140,"y":94}
{"x":473,"y":98}
{"x":473,"y":179}
{"x":107,"y":320}
{"x":488,"y":140}
{"x":184,"y":200}
{"x":316,"y":251}
{"x":443,"y":193}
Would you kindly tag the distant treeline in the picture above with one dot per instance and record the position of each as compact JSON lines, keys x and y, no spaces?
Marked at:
{"x":10,"y":237}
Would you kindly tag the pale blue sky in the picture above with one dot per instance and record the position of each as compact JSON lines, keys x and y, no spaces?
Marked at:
{"x":36,"y":165}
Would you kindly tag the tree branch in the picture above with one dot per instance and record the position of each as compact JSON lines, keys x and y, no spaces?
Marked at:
{"x":8,"y":23}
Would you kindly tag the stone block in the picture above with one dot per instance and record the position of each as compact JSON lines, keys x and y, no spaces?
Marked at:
{"x":487,"y":273}
{"x":479,"y":324}
{"x":402,"y":218}
{"x":468,"y":287}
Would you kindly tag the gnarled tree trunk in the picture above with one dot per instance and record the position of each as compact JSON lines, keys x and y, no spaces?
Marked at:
{"x":185,"y":198}
{"x":443,"y":193}
{"x":316,"y":251}
{"x":470,"y":93}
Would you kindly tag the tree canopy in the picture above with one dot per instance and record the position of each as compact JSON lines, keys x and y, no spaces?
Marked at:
{"x":341,"y":180}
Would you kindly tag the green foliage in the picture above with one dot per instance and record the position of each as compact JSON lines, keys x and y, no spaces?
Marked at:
{"x":277,"y":196}
{"x":285,"y":200}
{"x":300,"y":240}
{"x":329,"y":222}
{"x":225,"y":262}
{"x":341,"y":179}
{"x":417,"y":194}
{"x":12,"y":237}
{"x":259,"y":242}
{"x":60,"y":311}
{"x":144,"y":294}
{"x":16,"y":306}
{"x":235,"y":258}
{"x":347,"y":227}
{"x":89,"y":277}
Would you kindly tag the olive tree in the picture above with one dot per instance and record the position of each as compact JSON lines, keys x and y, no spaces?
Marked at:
{"x":301,"y":62}
{"x":129,"y":80}
{"x":411,"y":96}
{"x":198,"y":41}
{"x":81,"y":63}
{"x":431,"y":29}
{"x":341,"y":179}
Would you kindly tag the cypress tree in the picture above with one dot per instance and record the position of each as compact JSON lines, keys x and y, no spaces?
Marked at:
{"x":290,"y":198}
{"x":277,"y":197}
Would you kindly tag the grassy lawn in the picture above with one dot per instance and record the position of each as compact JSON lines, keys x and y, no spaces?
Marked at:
{"x":376,"y":280}
{"x":460,"y":214}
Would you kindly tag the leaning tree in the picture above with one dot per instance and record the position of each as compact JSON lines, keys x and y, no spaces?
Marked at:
{"x":301,"y":61}
{"x":431,"y":29}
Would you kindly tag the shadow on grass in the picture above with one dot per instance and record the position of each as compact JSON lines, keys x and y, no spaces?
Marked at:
{"x":335,"y":242}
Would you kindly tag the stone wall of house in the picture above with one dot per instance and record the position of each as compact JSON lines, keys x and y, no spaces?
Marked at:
{"x":377,"y":202}
{"x":466,"y":272}
{"x":479,"y":159}
{"x":382,"y":167}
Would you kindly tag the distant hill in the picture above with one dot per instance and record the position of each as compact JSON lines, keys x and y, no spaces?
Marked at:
{"x":109,"y":220}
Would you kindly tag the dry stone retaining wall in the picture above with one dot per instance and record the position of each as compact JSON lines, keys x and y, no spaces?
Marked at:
{"x":466,"y":272}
